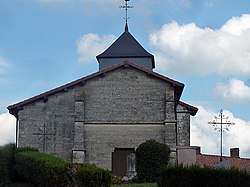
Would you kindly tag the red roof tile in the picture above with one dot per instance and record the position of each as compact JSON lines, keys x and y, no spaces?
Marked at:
{"x":210,"y":160}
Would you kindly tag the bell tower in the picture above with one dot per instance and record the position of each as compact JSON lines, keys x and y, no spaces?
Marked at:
{"x":126,"y":47}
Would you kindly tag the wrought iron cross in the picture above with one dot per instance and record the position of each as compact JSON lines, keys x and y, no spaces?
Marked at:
{"x":218,"y":125}
{"x":44,"y":133}
{"x":126,"y":7}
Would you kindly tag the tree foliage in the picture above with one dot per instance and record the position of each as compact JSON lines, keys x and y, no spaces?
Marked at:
{"x":150,"y":157}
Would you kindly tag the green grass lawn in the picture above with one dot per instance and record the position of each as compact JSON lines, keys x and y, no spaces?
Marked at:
{"x":137,"y":185}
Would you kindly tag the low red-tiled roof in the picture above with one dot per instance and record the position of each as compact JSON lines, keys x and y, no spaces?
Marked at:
{"x":210,"y":160}
{"x":13,"y":109}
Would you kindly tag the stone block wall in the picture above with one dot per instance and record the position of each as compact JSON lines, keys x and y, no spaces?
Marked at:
{"x":56,"y":118}
{"x":101,"y":140}
{"x":125,"y":95}
{"x":183,"y":126}
{"x":119,"y":109}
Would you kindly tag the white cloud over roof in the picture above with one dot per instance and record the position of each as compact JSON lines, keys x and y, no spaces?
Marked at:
{"x":189,"y":49}
{"x":235,"y":91}
{"x":204,"y":135}
{"x":90,"y":45}
{"x":7,"y":129}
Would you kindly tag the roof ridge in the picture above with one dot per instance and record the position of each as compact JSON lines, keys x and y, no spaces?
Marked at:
{"x":223,"y":156}
{"x":177,"y":84}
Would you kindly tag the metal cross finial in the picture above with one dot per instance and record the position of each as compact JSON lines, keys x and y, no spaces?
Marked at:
{"x":126,"y":7}
{"x":218,"y":125}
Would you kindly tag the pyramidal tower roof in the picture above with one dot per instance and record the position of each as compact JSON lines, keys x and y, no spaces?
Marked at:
{"x":126,"y":47}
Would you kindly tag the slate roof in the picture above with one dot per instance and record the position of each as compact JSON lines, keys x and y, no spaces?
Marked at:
{"x":210,"y":160}
{"x":126,"y":46}
{"x":13,"y":109}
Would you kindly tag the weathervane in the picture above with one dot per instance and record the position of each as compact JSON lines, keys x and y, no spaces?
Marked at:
{"x":218,"y":126}
{"x":126,"y":7}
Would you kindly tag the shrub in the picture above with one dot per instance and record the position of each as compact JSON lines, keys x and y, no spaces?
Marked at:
{"x":23,"y":149}
{"x":47,"y":170}
{"x":3,"y":172}
{"x":90,"y":175}
{"x":150,"y":156}
{"x":42,"y":169}
{"x":7,"y":154}
{"x":3,"y":168}
{"x":116,"y":179}
{"x":181,"y":176}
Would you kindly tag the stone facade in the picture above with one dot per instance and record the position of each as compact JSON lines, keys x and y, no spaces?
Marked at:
{"x":183,"y":126}
{"x":102,"y":118}
{"x":116,"y":109}
{"x":57,"y":115}
{"x":120,"y":109}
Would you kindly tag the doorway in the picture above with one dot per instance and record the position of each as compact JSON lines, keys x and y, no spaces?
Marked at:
{"x":119,"y":160}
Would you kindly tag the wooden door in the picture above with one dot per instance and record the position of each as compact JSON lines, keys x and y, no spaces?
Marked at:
{"x":119,"y":160}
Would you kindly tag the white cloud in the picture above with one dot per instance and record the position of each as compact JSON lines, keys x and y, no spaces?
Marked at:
{"x":203,"y":134}
{"x":90,"y":45}
{"x":189,"y":49}
{"x":7,"y":129}
{"x":237,"y":25}
{"x":235,"y":91}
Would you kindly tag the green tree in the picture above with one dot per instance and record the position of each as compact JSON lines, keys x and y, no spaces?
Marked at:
{"x":150,"y":157}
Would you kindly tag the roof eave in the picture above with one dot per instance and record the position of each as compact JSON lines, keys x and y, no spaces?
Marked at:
{"x":13,"y":109}
{"x":122,"y":56}
{"x":192,"y":110}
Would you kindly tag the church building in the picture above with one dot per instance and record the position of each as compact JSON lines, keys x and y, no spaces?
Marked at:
{"x":103,"y":117}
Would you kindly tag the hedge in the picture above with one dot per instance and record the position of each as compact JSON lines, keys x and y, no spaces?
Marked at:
{"x":7,"y":162}
{"x":90,"y":175}
{"x":150,"y":156}
{"x":183,"y":176}
{"x":42,"y":169}
{"x":3,"y":168}
{"x":47,"y":170}
{"x":3,"y":172}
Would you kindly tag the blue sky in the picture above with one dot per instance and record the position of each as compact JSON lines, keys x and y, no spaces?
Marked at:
{"x":204,"y":44}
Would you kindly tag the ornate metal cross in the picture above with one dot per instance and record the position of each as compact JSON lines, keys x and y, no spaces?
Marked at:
{"x":126,"y":7}
{"x":218,"y":125}
{"x":44,"y":135}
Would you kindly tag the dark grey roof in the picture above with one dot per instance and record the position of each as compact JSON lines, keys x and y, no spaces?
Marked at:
{"x":126,"y":46}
